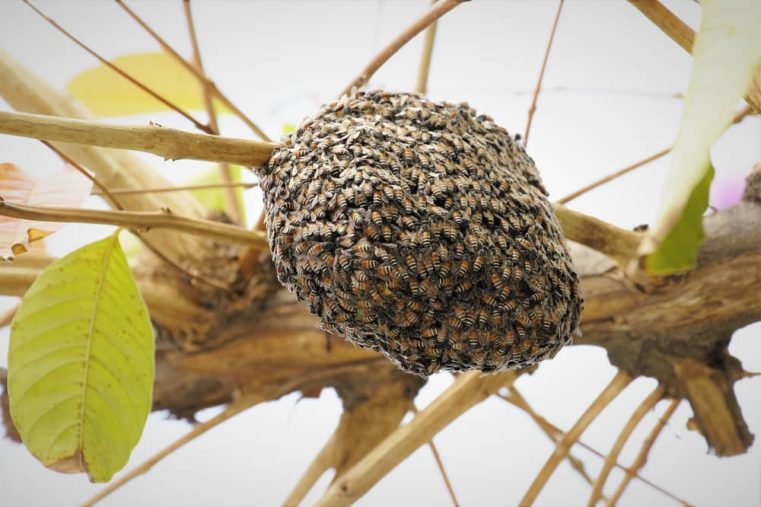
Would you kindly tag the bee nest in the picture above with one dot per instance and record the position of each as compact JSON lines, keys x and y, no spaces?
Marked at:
{"x":422,"y":230}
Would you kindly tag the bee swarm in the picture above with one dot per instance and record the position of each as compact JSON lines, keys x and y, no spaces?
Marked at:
{"x":422,"y":230}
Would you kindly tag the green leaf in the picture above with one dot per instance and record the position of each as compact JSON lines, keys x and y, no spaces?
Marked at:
{"x":81,"y":361}
{"x":679,"y":249}
{"x":726,"y":53}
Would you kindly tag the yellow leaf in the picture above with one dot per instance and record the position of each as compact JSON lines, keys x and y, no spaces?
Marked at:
{"x":106,"y":93}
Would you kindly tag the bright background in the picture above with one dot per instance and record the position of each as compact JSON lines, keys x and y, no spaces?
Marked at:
{"x":612,"y":95}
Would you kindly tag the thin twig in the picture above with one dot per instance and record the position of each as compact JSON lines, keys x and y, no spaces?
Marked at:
{"x":538,"y":89}
{"x":553,"y":433}
{"x":639,"y":413}
{"x":233,"y":206}
{"x":158,"y":190}
{"x":440,"y":465}
{"x":141,"y":220}
{"x":517,"y":400}
{"x":740,"y":116}
{"x":190,"y":68}
{"x":641,"y":458}
{"x":421,"y":86}
{"x":232,"y":410}
{"x":435,"y":12}
{"x":118,"y":70}
{"x":613,"y":389}
{"x":162,"y":141}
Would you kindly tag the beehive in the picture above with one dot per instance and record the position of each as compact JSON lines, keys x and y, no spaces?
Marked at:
{"x":422,"y":230}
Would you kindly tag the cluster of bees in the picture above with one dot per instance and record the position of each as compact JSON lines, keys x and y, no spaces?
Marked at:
{"x":422,"y":230}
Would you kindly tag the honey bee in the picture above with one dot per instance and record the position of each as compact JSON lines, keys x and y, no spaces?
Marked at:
{"x":464,"y":268}
{"x":463,"y":287}
{"x":478,"y":262}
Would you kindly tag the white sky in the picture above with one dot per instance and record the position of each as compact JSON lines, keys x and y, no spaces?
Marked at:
{"x":611,"y":98}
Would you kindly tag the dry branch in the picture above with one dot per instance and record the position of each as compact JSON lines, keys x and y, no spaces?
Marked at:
{"x":140,"y":220}
{"x":611,"y":459}
{"x":641,"y":458}
{"x":421,"y":85}
{"x":468,"y":390}
{"x":613,"y":389}
{"x":165,"y":142}
{"x":435,"y":12}
{"x":193,"y":70}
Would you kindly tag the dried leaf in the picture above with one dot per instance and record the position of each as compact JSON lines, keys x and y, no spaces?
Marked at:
{"x":67,"y":188}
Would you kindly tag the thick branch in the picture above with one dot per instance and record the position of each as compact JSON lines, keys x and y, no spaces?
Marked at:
{"x":141,"y":220}
{"x":166,"y":142}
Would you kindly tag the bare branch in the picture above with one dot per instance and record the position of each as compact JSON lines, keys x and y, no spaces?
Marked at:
{"x":159,"y":190}
{"x":7,"y":316}
{"x":190,"y":68}
{"x":613,"y":389}
{"x":118,"y":70}
{"x":435,"y":12}
{"x":639,"y":413}
{"x":440,"y":466}
{"x":641,"y":458}
{"x":619,"y":244}
{"x":232,"y":410}
{"x":467,"y":390}
{"x":165,"y":142}
{"x":517,"y":400}
{"x":626,"y":170}
{"x":141,"y":220}
{"x":421,"y":85}
{"x":538,"y":89}
{"x":233,"y":206}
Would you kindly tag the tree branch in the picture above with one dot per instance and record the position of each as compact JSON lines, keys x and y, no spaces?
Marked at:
{"x":467,"y":390}
{"x":435,"y":12}
{"x":166,"y":142}
{"x":612,"y":458}
{"x":613,"y":389}
{"x":683,"y":35}
{"x":141,"y":220}
{"x":421,"y":85}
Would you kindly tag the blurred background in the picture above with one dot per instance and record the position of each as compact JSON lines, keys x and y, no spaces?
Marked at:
{"x":612,"y":95}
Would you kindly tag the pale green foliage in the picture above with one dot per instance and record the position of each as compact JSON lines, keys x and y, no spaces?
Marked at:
{"x":81,"y":362}
{"x":727,"y":51}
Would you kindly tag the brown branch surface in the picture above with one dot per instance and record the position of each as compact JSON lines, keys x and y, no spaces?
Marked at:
{"x":165,"y":142}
